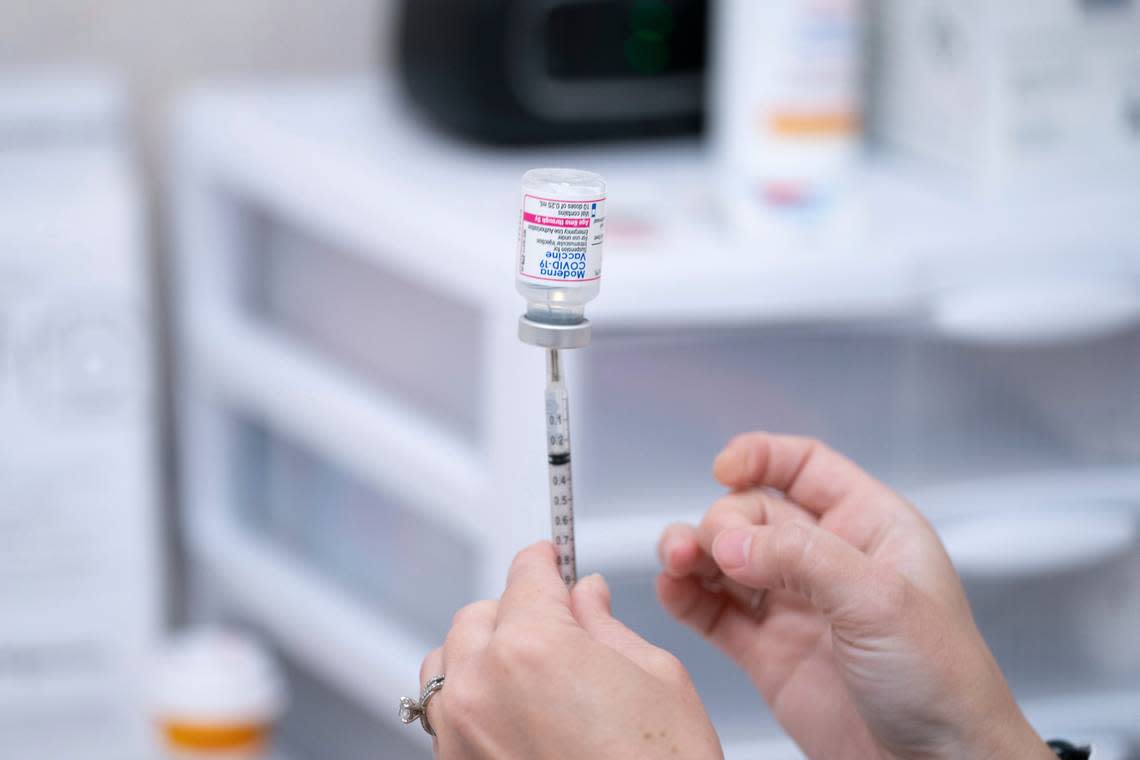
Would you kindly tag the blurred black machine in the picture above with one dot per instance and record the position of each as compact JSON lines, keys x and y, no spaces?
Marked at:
{"x":535,"y":71}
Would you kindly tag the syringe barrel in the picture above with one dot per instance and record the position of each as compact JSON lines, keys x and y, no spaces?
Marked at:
{"x":561,"y":236}
{"x":561,"y":480}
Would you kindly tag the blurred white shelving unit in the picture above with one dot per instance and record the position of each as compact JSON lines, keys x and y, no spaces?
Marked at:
{"x":361,"y":428}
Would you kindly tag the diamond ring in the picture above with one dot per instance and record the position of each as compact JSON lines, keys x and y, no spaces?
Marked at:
{"x":411,"y":710}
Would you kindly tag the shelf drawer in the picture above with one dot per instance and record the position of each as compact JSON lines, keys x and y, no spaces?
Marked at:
{"x":1058,"y":633}
{"x":350,"y":310}
{"x":403,"y":565}
{"x":916,"y":410}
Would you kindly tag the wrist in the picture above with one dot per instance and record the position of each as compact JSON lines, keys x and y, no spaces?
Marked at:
{"x":1013,"y":737}
{"x":1025,"y":744}
{"x":998,"y":729}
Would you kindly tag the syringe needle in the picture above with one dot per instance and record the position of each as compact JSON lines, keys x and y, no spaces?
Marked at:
{"x":553,"y":370}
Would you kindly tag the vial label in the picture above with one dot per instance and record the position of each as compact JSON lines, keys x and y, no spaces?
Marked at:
{"x":560,"y":242}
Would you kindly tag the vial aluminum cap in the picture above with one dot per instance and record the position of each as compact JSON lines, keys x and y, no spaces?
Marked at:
{"x":554,"y":336}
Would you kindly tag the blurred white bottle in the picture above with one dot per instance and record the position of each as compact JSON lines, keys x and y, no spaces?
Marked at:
{"x":216,"y":696}
{"x":786,"y":108}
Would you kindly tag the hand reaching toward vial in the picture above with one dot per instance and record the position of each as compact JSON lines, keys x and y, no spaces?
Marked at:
{"x":838,"y":600}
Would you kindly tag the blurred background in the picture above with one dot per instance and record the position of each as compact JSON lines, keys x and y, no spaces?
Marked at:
{"x":265,"y":421}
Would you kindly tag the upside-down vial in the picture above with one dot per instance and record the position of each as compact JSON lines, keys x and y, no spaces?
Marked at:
{"x":561,"y":234}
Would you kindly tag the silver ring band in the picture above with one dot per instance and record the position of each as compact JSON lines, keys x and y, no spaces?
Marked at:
{"x":412,"y":710}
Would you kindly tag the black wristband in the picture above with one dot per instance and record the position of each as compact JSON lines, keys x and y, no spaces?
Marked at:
{"x":1067,"y":751}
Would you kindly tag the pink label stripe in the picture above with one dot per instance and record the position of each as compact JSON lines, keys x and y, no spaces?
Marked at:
{"x":556,"y":221}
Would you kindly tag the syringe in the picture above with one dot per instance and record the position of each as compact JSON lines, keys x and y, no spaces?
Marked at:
{"x":558,"y":455}
{"x":561,"y":232}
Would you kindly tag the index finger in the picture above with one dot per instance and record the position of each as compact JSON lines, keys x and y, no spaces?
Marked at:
{"x":534,"y":586}
{"x":806,"y":470}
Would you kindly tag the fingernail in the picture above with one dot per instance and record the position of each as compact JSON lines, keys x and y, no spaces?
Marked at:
{"x":596,"y":585}
{"x":669,"y":560}
{"x":724,"y":459}
{"x":592,"y":582}
{"x":730,"y":549}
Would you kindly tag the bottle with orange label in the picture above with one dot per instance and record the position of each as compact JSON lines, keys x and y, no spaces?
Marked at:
{"x":216,"y":696}
{"x":785,"y":113}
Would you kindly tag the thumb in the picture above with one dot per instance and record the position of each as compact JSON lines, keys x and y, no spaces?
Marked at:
{"x":590,"y":602}
{"x":856,"y":595}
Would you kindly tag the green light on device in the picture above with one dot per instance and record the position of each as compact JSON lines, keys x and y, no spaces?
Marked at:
{"x":647,"y":49}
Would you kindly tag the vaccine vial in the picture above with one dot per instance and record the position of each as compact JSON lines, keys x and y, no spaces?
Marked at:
{"x":561,"y":233}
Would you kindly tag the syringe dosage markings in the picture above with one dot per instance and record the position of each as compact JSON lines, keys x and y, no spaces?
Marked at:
{"x":561,"y":481}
